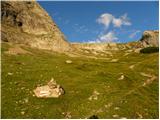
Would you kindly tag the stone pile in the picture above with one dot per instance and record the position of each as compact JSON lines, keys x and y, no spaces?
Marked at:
{"x":51,"y":90}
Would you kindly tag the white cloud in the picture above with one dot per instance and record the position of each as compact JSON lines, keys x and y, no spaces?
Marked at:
{"x":125,"y":19}
{"x":106,"y":19}
{"x":134,"y":34}
{"x":109,"y":37}
{"x":117,"y":22}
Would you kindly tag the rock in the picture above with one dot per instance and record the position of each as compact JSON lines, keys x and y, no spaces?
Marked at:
{"x":150,"y":38}
{"x":68,"y":61}
{"x":94,"y":95}
{"x":108,"y":105}
{"x":115,"y":116}
{"x":121,"y":77}
{"x":116,"y":108}
{"x":145,"y":74}
{"x":137,"y":50}
{"x":51,"y":90}
{"x":22,"y":113}
{"x":123,"y":118}
{"x":114,"y":60}
{"x":29,"y":24}
{"x":10,"y":73}
{"x":26,"y":100}
{"x":68,"y":115}
{"x":139,"y":115}
{"x":129,"y":51}
{"x":132,"y":66}
{"x":126,"y":54}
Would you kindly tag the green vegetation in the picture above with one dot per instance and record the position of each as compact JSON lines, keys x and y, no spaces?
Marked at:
{"x":150,"y":50}
{"x":126,"y":98}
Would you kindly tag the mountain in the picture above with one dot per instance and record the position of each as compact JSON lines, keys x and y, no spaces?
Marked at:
{"x":26,"y":22}
{"x":150,"y":38}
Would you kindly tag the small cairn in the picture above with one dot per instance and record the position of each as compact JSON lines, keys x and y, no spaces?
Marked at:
{"x":51,"y":90}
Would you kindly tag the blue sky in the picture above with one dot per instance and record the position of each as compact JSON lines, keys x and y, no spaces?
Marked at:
{"x":103,"y":21}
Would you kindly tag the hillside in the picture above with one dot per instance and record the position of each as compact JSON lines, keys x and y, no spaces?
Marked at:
{"x":118,"y":86}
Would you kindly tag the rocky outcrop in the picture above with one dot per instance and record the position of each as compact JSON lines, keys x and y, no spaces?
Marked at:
{"x":103,"y":47}
{"x":27,"y":23}
{"x":150,"y":38}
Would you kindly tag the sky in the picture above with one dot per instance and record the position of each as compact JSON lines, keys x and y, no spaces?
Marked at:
{"x":103,"y":21}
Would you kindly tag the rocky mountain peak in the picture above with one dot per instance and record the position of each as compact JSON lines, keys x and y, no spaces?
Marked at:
{"x":26,"y":22}
{"x":150,"y":38}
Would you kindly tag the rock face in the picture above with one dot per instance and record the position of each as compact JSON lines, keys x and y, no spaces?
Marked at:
{"x":150,"y":38}
{"x":27,"y":23}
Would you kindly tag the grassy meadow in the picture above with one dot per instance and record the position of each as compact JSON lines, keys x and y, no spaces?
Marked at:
{"x":116,"y":98}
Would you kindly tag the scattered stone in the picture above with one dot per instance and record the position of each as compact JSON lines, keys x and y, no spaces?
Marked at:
{"x":22,"y":88}
{"x":129,"y":51}
{"x":51,"y":90}
{"x":94,"y":52}
{"x":108,"y":105}
{"x":123,"y":118}
{"x":86,"y":51}
{"x":10,"y":73}
{"x":114,"y":60}
{"x":149,"y":80}
{"x":22,"y":112}
{"x":68,"y":61}
{"x":116,"y":108}
{"x":94,"y":95}
{"x":115,"y":116}
{"x":137,"y":50}
{"x":26,"y":100}
{"x":145,"y":75}
{"x":126,"y":54}
{"x":146,"y":109}
{"x":132,"y":66}
{"x":121,"y":77}
{"x":139,"y":115}
{"x":67,"y":115}
{"x":100,"y":110}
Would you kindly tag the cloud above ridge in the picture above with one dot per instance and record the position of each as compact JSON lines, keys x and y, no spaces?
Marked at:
{"x":107,"y":19}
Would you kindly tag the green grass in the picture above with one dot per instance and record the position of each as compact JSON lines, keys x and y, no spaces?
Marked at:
{"x":79,"y":80}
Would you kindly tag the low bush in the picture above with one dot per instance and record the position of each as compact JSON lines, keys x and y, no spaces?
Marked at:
{"x":149,"y":50}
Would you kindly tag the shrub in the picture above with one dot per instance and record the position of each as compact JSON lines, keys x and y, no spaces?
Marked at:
{"x":149,"y":50}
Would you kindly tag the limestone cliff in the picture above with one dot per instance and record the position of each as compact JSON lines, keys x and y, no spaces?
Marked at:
{"x":25,"y":22}
{"x":150,"y":38}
